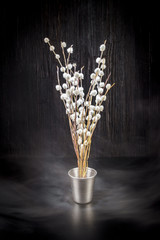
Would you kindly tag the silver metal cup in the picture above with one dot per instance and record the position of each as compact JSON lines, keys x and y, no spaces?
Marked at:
{"x":82,"y":188}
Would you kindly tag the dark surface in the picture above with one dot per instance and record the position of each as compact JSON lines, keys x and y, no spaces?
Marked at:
{"x":35,"y":144}
{"x":36,"y":200}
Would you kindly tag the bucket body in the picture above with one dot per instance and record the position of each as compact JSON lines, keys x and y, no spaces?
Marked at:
{"x":82,"y":188}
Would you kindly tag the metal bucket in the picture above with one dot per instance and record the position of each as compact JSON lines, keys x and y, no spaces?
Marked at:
{"x":82,"y":188}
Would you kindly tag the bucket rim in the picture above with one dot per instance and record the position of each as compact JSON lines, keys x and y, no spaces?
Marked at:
{"x":81,"y":178}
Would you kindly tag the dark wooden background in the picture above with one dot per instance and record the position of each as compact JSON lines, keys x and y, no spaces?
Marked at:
{"x":36,"y":150}
{"x":32,"y":117}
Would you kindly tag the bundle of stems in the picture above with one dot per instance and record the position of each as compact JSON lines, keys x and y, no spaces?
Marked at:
{"x":83,"y":112}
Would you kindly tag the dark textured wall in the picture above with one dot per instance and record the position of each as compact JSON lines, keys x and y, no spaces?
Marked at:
{"x":32,"y":117}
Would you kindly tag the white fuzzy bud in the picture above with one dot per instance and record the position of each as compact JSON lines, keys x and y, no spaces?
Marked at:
{"x":69,"y":66}
{"x":98,"y":116}
{"x":81,"y":75}
{"x":108,"y":86}
{"x":79,"y":102}
{"x":81,"y":89}
{"x":103,"y":66}
{"x":88,"y":134}
{"x":84,"y":130}
{"x":58,"y":87}
{"x":89,"y":117}
{"x":93,"y":93}
{"x":51,"y":48}
{"x":76,"y":74}
{"x":67,"y":111}
{"x":68,"y":92}
{"x":85,"y":142}
{"x":46,"y":40}
{"x":97,"y":70}
{"x":63,"y":96}
{"x":63,"y":44}
{"x":93,"y":81}
{"x":98,"y":60}
{"x":68,"y":100}
{"x":79,"y":131}
{"x":103,"y":98}
{"x":92,"y":76}
{"x":103,"y":61}
{"x":57,"y":56}
{"x":98,"y":99}
{"x":81,"y":109}
{"x":101,"y":108}
{"x":91,"y":112}
{"x":92,"y":126}
{"x":102,"y":47}
{"x":101,"y":84}
{"x":76,"y":92}
{"x":81,"y":94}
{"x":91,"y":107}
{"x":70,"y":50}
{"x":72,"y":116}
{"x":79,"y":141}
{"x":65,"y":75}
{"x":81,"y":147}
{"x":64,"y":86}
{"x":80,"y":126}
{"x":97,"y":108}
{"x":86,"y":103}
{"x":62,"y":69}
{"x":75,"y":82}
{"x":72,"y":89}
{"x":100,"y":90}
{"x":94,"y":119}
{"x":98,"y":79}
{"x":101,"y":73}
{"x":72,"y":79}
{"x":68,"y":76}
{"x":67,"y":105}
{"x":78,"y":120}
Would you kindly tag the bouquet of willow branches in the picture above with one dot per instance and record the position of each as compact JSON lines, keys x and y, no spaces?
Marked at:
{"x":83,"y":112}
